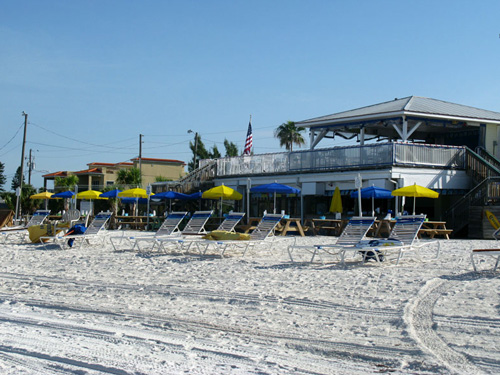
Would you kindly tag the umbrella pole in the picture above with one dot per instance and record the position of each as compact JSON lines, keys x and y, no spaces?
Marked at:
{"x":414,"y":200}
{"x":274,"y":208}
{"x":373,"y":206}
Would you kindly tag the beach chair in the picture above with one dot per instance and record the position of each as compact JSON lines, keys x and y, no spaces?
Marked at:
{"x":169,"y":227}
{"x":355,"y":231}
{"x":22,"y":231}
{"x":6,"y":219}
{"x":230,"y":221}
{"x":195,"y":226}
{"x":95,"y":231}
{"x":494,"y":253}
{"x":263,"y":231}
{"x":403,"y":238}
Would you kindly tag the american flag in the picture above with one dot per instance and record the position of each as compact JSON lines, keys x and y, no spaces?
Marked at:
{"x":248,"y":142}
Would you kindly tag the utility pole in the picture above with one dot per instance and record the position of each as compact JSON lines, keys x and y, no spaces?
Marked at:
{"x":140,"y":157}
{"x":30,"y":167}
{"x":20,"y":188}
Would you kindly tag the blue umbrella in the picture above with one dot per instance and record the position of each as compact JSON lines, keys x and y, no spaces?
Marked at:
{"x":110,"y":194}
{"x":373,"y":192}
{"x":170,"y":195}
{"x":64,"y":194}
{"x":195,"y":195}
{"x":275,"y":188}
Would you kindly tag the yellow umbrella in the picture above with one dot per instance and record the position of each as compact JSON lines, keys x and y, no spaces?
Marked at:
{"x":43,"y":195}
{"x":223,"y":192}
{"x":415,"y":191}
{"x":90,"y":194}
{"x":336,"y":204}
{"x":134,"y":193}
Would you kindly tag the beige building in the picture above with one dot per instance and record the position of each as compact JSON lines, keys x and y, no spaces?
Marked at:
{"x":100,"y":175}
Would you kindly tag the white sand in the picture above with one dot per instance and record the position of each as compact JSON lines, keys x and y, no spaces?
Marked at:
{"x":96,"y":311}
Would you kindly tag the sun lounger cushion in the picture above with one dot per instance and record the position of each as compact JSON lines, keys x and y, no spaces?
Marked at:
{"x":220,"y":235}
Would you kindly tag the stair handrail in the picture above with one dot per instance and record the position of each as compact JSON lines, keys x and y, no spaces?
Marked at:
{"x":488,"y":156}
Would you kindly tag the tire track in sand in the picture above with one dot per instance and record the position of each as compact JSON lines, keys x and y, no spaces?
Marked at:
{"x":418,"y":316}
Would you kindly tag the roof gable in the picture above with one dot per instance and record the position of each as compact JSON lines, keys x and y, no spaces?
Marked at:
{"x":412,"y":105}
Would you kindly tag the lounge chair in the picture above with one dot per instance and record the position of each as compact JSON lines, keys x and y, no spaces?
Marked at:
{"x":37,"y":219}
{"x":95,"y":231}
{"x":403,"y":238}
{"x":355,"y":231}
{"x":259,"y":235}
{"x":195,"y":226}
{"x":494,"y":253}
{"x":169,"y":227}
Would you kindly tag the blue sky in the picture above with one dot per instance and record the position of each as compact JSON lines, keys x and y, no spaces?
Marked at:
{"x":93,"y":75}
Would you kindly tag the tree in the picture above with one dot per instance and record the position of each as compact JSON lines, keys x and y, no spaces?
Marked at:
{"x":231,"y":148}
{"x":215,"y":154}
{"x":2,"y":176}
{"x":16,"y":180}
{"x":201,"y":152}
{"x":130,"y":176}
{"x":289,"y":134}
{"x":67,"y":182}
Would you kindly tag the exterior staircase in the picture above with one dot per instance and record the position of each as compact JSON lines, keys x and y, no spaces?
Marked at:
{"x":484,"y":169}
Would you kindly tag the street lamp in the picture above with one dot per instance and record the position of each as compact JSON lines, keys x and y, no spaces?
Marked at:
{"x":195,"y":147}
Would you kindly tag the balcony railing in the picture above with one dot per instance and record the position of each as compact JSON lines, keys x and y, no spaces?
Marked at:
{"x":345,"y":158}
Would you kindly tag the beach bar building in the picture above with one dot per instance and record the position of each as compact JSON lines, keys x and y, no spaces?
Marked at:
{"x":450,"y":148}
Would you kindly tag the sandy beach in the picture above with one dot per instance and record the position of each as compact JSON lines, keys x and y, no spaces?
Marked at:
{"x":99,"y":311}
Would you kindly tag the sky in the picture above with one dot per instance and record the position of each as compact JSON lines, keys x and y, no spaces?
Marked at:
{"x":93,"y":75}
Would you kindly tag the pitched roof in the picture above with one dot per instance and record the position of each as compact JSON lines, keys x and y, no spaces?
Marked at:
{"x":409,"y":106}
{"x":56,"y":174}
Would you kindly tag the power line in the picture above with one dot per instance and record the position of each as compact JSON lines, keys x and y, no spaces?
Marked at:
{"x":14,"y":136}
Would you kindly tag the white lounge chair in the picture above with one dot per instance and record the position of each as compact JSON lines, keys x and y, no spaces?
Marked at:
{"x":169,"y":227}
{"x":494,"y":253}
{"x":230,"y":221}
{"x":195,"y":226}
{"x":355,"y":231}
{"x":22,"y":231}
{"x":403,"y":238}
{"x":259,"y":235}
{"x":95,"y":231}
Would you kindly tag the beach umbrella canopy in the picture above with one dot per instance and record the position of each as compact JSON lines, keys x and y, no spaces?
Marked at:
{"x":63,"y":194}
{"x":42,"y":195}
{"x":196,"y":195}
{"x":275,"y":188}
{"x":222,"y":192}
{"x":336,"y":203}
{"x":171,"y":195}
{"x":90,"y":194}
{"x":111,"y":194}
{"x":415,"y":191}
{"x":373,"y":192}
{"x":133,"y":193}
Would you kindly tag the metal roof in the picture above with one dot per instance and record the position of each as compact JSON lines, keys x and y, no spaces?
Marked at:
{"x":411,"y":106}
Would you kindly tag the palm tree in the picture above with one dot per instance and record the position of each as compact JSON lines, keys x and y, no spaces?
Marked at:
{"x":289,"y":134}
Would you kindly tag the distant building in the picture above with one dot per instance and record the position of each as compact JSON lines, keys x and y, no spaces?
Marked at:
{"x":100,"y":175}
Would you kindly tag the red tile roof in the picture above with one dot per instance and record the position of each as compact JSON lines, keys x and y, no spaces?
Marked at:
{"x":163,"y":160}
{"x":56,"y":174}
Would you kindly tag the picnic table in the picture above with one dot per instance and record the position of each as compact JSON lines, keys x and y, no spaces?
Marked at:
{"x":135,"y":222}
{"x":252,"y":224}
{"x":434,"y":228}
{"x":330,"y":226}
{"x":290,"y":225}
